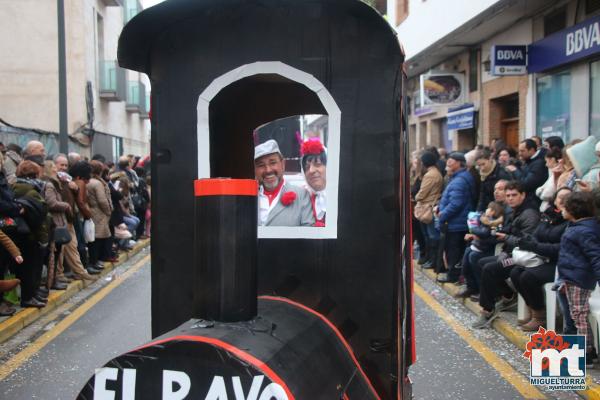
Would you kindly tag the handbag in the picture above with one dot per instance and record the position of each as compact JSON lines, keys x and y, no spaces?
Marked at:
{"x":89,"y":231}
{"x":527,"y":259}
{"x":121,"y":232}
{"x":61,"y":235}
{"x":424,"y":212}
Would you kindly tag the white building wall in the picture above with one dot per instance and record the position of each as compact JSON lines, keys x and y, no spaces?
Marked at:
{"x":29,"y":76}
{"x":430,"y":20}
{"x":29,"y":67}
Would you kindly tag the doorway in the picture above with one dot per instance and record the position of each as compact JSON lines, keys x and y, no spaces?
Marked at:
{"x":508,"y":109}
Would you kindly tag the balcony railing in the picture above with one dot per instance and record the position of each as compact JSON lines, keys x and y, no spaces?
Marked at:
{"x":113,"y":81}
{"x":132,"y":8}
{"x":145,"y":111}
{"x":136,"y":97}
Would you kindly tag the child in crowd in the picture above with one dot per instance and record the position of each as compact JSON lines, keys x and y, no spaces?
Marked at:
{"x":482,"y":245}
{"x":579,"y":262}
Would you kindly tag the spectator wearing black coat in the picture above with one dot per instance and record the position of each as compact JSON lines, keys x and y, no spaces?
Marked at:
{"x":495,"y":270}
{"x":490,"y":172}
{"x":8,"y":208}
{"x":27,"y":189}
{"x":534,"y":171}
{"x":544,"y":242}
{"x":140,"y":203}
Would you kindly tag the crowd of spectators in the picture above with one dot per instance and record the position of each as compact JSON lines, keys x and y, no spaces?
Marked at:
{"x":62,"y":217}
{"x":501,"y":222}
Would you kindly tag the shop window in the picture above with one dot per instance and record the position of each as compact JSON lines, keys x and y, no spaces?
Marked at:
{"x":595,"y":99}
{"x":473,"y":71}
{"x":592,"y":6}
{"x":553,"y":105}
{"x":555,"y":21}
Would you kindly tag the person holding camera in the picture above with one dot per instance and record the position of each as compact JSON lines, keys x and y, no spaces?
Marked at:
{"x":496,"y":269}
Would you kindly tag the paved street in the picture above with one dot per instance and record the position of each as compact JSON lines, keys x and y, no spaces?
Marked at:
{"x":119,"y":322}
{"x":448,"y":366}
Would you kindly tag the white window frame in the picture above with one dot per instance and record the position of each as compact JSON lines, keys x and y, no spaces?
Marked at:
{"x":333,"y":142}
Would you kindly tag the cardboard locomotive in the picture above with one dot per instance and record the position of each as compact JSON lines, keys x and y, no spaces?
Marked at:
{"x":271,"y":312}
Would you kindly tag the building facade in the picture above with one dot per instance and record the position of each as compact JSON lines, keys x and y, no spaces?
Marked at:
{"x":107,"y":106}
{"x":549,"y":93}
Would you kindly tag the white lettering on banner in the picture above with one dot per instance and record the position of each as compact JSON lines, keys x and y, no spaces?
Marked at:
{"x":254,"y":389}
{"x":176,"y":385}
{"x":273,"y":391}
{"x":510,"y":55}
{"x":583,"y":39}
{"x":217,"y":389}
{"x":110,"y":374}
{"x":129,"y":375}
{"x":182,"y":379}
{"x":100,"y":377}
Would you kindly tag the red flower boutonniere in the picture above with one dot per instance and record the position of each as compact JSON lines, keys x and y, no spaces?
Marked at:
{"x":288,"y":198}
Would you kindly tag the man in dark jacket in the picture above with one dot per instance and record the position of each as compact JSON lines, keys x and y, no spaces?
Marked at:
{"x":456,"y":202}
{"x":534,"y":172}
{"x":496,"y":269}
{"x":490,"y":172}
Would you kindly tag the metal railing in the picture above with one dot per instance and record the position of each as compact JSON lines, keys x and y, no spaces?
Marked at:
{"x":136,"y":97}
{"x":112,"y":81}
{"x":131,"y":9}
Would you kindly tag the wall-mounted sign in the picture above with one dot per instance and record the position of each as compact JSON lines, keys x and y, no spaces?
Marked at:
{"x":508,"y":60}
{"x":571,"y":44}
{"x":442,"y":89}
{"x":462,"y":117}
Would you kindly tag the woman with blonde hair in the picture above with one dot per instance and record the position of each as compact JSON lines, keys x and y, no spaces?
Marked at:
{"x":101,"y":208}
{"x":564,"y":171}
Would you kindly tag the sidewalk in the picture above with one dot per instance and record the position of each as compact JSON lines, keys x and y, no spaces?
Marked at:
{"x":9,"y":326}
{"x":506,"y":325}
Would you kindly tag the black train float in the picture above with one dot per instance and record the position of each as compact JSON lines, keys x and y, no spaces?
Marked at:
{"x":333,"y":319}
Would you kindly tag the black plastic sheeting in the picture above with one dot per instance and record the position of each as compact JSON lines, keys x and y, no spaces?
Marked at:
{"x":287,"y":352}
{"x":357,"y":280}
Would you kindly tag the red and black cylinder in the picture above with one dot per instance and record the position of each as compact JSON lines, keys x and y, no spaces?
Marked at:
{"x":225,"y":246}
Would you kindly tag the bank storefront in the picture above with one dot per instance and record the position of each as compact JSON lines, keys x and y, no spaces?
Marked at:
{"x":566,"y":68}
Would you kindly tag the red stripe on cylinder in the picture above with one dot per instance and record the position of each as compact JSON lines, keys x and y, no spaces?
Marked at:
{"x":241,"y":354}
{"x":225,"y":187}
{"x":334,"y":329}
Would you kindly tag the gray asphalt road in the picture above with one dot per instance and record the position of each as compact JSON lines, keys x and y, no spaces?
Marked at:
{"x":116,"y":324}
{"x":447,"y":368}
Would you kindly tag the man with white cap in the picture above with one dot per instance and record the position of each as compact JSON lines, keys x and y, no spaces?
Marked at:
{"x":279,"y":204}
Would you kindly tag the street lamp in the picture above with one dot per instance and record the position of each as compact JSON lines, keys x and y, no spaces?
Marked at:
{"x":63,"y":136}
